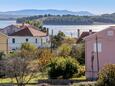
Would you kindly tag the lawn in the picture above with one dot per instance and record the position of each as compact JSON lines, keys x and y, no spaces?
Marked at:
{"x":9,"y":80}
{"x":41,"y":76}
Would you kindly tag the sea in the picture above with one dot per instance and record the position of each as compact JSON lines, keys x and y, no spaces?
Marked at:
{"x":69,"y":30}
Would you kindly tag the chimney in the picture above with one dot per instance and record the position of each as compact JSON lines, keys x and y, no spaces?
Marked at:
{"x":22,"y":24}
{"x":78,"y":33}
{"x":90,"y":32}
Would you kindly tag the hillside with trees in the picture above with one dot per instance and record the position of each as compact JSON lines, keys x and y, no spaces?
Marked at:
{"x":70,"y":19}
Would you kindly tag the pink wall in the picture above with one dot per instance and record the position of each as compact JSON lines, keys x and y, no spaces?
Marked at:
{"x":107,"y":56}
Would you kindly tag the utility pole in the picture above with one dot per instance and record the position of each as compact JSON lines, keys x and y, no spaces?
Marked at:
{"x":78,"y":33}
{"x":51,"y":41}
{"x":97,"y":53}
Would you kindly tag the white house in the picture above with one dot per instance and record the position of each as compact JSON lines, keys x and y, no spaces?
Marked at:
{"x":27,"y":33}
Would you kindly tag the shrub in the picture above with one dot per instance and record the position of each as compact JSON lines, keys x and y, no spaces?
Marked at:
{"x":107,"y":76}
{"x":78,"y":52}
{"x":2,"y":57}
{"x":62,"y":67}
{"x":81,"y":71}
{"x":28,"y":47}
{"x":57,"y":39}
{"x":64,"y":50}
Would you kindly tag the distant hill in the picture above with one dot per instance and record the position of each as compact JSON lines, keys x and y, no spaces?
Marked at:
{"x":32,"y":12}
{"x":71,"y":19}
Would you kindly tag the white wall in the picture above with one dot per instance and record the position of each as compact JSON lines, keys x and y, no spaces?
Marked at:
{"x":20,"y":40}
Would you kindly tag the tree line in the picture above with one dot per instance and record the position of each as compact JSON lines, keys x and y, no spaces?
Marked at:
{"x":70,"y":19}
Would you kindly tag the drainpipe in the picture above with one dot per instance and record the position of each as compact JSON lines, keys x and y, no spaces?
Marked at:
{"x":92,"y":66}
{"x":97,"y":53}
{"x":7,"y":46}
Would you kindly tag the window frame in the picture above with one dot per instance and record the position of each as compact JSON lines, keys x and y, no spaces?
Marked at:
{"x":99,"y":45}
{"x":27,"y":39}
{"x":13,"y":40}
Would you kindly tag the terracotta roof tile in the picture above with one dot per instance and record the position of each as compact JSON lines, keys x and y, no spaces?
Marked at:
{"x":28,"y":31}
{"x":84,"y":34}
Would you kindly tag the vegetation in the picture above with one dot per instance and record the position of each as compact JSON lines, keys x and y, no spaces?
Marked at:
{"x":107,"y":76}
{"x":28,"y":47}
{"x":2,"y":55}
{"x":24,"y":65}
{"x":78,"y":52}
{"x":70,"y":19}
{"x":63,"y":68}
{"x":59,"y":20}
{"x":64,"y":50}
{"x":45,"y":57}
{"x":21,"y":65}
{"x":57,"y":39}
{"x":37,"y":24}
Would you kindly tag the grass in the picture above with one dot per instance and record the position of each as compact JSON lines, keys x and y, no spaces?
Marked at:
{"x":9,"y":80}
{"x":41,"y":76}
{"x":82,"y":78}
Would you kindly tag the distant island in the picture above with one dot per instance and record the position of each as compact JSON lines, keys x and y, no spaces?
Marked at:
{"x":70,"y":19}
{"x":58,"y":17}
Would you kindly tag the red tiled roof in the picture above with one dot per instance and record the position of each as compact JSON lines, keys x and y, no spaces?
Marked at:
{"x":12,"y":26}
{"x":84,"y":34}
{"x":28,"y":31}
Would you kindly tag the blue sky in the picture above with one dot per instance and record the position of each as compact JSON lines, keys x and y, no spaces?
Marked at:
{"x":94,"y":6}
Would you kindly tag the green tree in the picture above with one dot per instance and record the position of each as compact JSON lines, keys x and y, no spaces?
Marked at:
{"x":57,"y":39}
{"x":38,"y":24}
{"x":35,"y":23}
{"x":62,"y":67}
{"x":78,"y":52}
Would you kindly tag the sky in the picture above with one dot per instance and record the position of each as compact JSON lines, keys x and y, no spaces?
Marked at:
{"x":93,"y":6}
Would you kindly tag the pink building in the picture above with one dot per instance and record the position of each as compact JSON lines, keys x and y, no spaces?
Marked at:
{"x":99,"y":50}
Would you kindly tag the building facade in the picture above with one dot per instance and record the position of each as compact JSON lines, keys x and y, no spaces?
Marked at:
{"x":99,"y":51}
{"x":14,"y":36}
{"x":3,"y":43}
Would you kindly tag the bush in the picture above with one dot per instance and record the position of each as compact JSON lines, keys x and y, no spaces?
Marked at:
{"x":62,"y":67}
{"x":64,"y":50}
{"x":78,"y":52}
{"x":81,"y":71}
{"x":28,"y":47}
{"x":107,"y":76}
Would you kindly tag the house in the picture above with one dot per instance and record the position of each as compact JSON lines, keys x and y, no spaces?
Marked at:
{"x":19,"y":34}
{"x":10,"y":29}
{"x":3,"y":43}
{"x":99,"y":51}
{"x":83,"y":35}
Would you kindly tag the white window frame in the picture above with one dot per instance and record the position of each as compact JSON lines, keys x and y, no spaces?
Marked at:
{"x":99,"y":47}
{"x":110,"y":33}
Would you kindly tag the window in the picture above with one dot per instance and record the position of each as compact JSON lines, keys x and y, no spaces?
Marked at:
{"x":13,"y":40}
{"x":26,"y":40}
{"x":99,"y":46}
{"x":36,"y":41}
{"x":110,"y":33}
